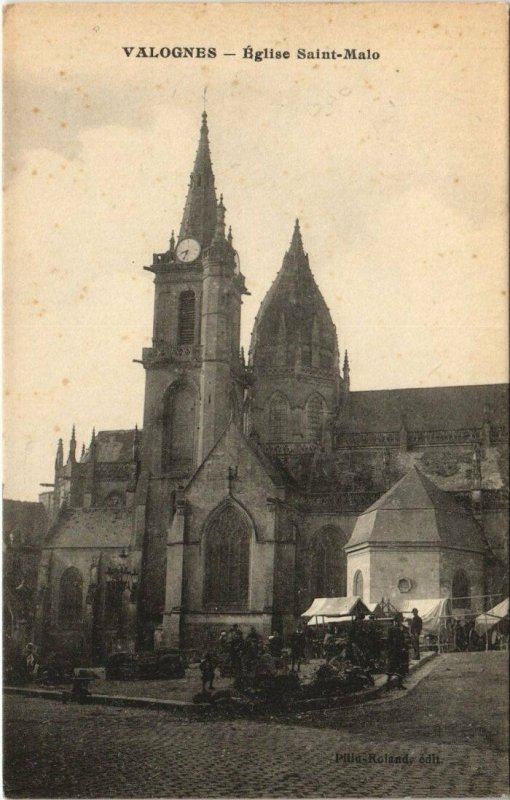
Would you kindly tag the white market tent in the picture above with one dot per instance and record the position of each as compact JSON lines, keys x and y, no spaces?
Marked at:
{"x":430,"y":609}
{"x":484,"y":622}
{"x":334,"y":609}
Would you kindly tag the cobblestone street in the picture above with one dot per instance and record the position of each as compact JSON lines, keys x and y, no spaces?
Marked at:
{"x":452,"y":726}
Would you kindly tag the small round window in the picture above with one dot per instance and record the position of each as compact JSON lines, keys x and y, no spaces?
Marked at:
{"x":404,"y":585}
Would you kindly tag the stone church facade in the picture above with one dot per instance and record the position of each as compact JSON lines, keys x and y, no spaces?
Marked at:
{"x":245,"y":495}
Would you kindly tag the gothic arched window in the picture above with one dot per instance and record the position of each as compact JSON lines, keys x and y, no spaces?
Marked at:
{"x":314,"y":417}
{"x":70,"y":599}
{"x":227,"y":561}
{"x":357,"y":584}
{"x":461,"y":590}
{"x":279,"y":413}
{"x":328,"y":564}
{"x":179,"y":430}
{"x":186,"y":324}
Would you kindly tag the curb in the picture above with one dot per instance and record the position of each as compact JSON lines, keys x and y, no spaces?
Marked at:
{"x":186,"y":708}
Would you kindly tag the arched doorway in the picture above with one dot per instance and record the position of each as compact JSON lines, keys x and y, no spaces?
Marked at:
{"x":461,"y":590}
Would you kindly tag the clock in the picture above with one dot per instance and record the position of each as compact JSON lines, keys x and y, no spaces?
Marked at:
{"x":187,"y":250}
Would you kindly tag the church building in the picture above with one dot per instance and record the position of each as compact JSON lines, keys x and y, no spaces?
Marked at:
{"x":258,"y":484}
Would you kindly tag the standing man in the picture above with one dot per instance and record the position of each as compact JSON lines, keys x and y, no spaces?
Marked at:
{"x":416,"y":628}
{"x":236,"y":649}
{"x":297,"y":648}
{"x":398,"y":651}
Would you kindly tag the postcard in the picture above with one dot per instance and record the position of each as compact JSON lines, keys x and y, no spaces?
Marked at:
{"x":255,"y":400}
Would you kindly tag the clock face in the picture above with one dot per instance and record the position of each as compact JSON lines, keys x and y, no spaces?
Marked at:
{"x":187,"y":250}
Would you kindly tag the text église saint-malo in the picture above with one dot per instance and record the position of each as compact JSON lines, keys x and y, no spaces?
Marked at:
{"x":252,"y":54}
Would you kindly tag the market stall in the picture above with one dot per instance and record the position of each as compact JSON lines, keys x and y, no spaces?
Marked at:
{"x":334,"y":609}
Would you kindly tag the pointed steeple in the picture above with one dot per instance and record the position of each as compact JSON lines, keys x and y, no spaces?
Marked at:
{"x":199,"y":218}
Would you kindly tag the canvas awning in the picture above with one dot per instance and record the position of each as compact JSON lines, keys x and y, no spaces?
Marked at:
{"x":430,"y":609}
{"x":330,"y":607}
{"x":484,"y":622}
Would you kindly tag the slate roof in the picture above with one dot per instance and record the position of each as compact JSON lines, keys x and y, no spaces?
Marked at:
{"x":91,"y":527}
{"x":114,"y":446}
{"x":416,"y":511}
{"x":436,"y":408}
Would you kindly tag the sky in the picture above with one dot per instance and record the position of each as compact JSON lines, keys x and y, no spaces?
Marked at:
{"x":396,"y":168}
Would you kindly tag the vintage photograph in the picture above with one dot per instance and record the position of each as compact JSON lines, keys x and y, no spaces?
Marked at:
{"x":255,"y":485}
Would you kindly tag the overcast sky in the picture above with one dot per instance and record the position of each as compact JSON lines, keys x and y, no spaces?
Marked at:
{"x":395,"y":167}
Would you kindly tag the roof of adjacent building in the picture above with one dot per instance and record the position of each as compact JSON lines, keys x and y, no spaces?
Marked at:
{"x":416,"y":511}
{"x":435,"y":408}
{"x":91,"y":527}
{"x":24,"y":523}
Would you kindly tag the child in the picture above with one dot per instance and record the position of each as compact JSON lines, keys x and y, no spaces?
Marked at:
{"x":207,"y":666}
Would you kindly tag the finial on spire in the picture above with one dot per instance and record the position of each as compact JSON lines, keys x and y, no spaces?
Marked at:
{"x":172,"y":245}
{"x":230,"y":238}
{"x":82,"y":451}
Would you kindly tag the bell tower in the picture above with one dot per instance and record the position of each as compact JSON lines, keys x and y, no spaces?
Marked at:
{"x":194,"y":375}
{"x":192,"y":367}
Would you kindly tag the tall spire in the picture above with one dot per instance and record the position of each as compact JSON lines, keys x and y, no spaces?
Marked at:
{"x":199,"y":218}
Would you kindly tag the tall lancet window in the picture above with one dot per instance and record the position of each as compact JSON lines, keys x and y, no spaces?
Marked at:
{"x":227,"y":561}
{"x":279,"y":414}
{"x":186,"y":324}
{"x":179,"y":430}
{"x":314,"y":418}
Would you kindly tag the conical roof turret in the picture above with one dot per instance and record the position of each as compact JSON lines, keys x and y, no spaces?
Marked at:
{"x":199,"y":217}
{"x":294,"y":309}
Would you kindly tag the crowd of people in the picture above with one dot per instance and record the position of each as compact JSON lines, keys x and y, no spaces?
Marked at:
{"x":364,"y":643}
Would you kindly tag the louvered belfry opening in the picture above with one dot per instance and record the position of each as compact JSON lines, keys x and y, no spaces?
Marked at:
{"x":186,"y":333}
